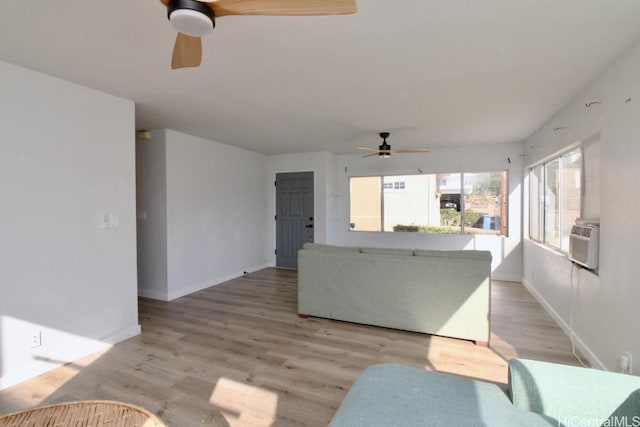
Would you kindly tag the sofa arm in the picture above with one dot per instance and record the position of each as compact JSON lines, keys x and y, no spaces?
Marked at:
{"x":569,"y":394}
{"x":388,"y":395}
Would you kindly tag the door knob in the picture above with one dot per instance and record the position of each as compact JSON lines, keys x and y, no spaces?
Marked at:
{"x":308,"y":226}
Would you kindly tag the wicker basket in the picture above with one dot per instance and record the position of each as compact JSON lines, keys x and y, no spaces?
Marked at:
{"x":93,"y":413}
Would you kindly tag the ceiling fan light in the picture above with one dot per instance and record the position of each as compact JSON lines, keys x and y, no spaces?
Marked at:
{"x":191,"y":22}
{"x":384,"y":149}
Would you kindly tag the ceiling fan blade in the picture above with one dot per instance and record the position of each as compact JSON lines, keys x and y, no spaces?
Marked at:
{"x":372,"y":154}
{"x":360,"y":147}
{"x":187,"y":52}
{"x":414,"y":150}
{"x":282,"y":7}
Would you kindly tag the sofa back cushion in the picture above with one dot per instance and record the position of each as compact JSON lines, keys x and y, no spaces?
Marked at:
{"x":465,"y":254}
{"x":387,"y":251}
{"x":324,"y":247}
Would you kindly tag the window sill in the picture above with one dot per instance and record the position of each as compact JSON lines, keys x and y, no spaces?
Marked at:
{"x":548,"y":248}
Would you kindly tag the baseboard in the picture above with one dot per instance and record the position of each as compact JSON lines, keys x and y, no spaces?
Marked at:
{"x":580,"y":345}
{"x":123,"y":334}
{"x":505,"y":278}
{"x":152,"y":293}
{"x":259,"y":267}
{"x":213,"y":282}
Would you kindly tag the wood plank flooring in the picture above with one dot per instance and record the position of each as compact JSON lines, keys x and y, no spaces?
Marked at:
{"x":237,"y":354}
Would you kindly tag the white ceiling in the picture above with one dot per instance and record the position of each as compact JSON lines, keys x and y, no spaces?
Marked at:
{"x":433,"y":72}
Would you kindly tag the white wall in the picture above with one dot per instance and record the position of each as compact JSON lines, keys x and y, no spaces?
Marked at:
{"x":151,"y":192}
{"x":606,"y":306}
{"x":67,"y":159}
{"x":215,"y":207}
{"x":506,"y":251}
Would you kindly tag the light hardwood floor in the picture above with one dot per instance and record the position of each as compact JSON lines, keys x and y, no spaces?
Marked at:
{"x":237,"y":354}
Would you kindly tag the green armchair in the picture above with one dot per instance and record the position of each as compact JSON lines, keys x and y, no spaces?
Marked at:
{"x":575,"y":396}
{"x":538,"y":394}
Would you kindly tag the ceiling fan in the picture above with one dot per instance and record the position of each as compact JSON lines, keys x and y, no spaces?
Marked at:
{"x":195,"y":18}
{"x":384,"y":150}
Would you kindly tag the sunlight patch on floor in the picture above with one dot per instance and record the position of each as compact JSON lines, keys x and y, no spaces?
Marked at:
{"x":35,"y":391}
{"x":243,"y":404}
{"x":464,"y":358}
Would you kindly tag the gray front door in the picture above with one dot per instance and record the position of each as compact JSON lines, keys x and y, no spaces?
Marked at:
{"x":294,"y":216}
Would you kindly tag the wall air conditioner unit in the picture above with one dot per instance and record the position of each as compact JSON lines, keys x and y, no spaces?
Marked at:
{"x":583,"y":244}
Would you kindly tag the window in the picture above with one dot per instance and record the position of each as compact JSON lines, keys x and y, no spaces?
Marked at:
{"x":552,"y":205}
{"x":555,"y":199}
{"x":409,"y":207}
{"x":394,"y":185}
{"x":451,"y":203}
{"x":535,"y":201}
{"x":484,"y":203}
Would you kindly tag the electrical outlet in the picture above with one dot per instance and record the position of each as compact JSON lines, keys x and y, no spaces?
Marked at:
{"x":36,"y":339}
{"x":628,"y":357}
{"x":104,"y":221}
{"x":626,"y":362}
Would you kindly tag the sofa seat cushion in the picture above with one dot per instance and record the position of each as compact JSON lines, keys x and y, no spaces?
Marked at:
{"x":395,"y":395}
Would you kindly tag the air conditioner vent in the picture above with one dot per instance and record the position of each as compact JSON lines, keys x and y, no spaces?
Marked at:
{"x":583,"y":245}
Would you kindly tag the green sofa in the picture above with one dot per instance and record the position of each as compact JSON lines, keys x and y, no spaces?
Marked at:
{"x":435,"y":292}
{"x":539,"y":394}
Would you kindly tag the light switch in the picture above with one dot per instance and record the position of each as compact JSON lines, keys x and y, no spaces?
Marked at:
{"x":104,"y":221}
{"x":114,"y":220}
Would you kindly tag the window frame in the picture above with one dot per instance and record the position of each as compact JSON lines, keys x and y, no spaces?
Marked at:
{"x":501,"y":231}
{"x":539,"y":203}
{"x":542,"y":200}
